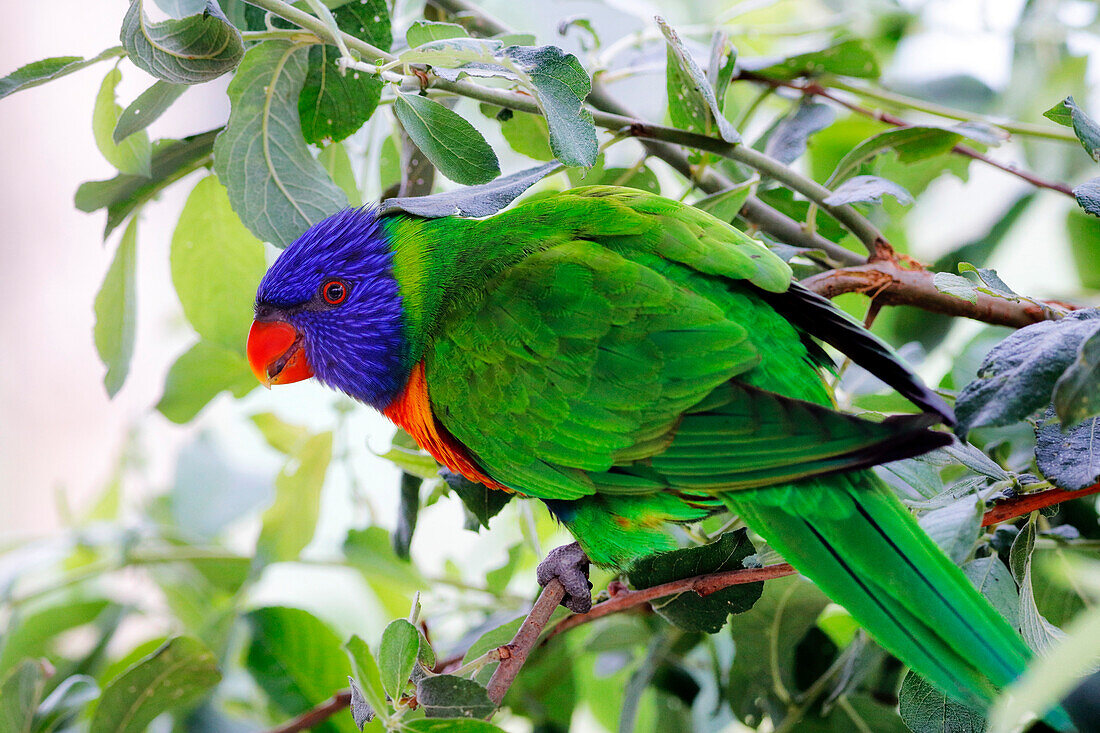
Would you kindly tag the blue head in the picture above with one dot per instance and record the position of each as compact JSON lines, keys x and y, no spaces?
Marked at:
{"x":330,"y":307}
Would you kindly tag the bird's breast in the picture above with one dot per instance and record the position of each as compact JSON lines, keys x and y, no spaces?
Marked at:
{"x":412,"y":410}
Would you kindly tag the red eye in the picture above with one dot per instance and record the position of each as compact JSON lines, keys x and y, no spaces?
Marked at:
{"x":334,"y":292}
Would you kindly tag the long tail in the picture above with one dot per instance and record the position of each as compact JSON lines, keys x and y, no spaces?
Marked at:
{"x":861,"y":546}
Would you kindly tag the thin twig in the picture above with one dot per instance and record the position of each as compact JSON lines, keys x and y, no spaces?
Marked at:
{"x":514,"y":653}
{"x":317,"y":715}
{"x":1026,"y":503}
{"x":893,"y":284}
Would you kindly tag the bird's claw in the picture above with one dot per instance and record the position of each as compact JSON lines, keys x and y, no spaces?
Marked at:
{"x":569,"y":565}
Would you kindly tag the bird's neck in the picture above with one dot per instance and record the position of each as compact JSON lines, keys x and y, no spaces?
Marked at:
{"x":442,"y":265}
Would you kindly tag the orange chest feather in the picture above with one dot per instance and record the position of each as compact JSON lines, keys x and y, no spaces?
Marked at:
{"x":412,"y":411}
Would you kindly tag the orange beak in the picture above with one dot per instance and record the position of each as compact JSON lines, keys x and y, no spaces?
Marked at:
{"x":275,"y":353}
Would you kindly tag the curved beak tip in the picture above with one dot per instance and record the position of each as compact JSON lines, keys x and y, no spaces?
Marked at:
{"x":275,"y":353}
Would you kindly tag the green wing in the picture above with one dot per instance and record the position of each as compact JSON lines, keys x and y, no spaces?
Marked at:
{"x":603,"y":363}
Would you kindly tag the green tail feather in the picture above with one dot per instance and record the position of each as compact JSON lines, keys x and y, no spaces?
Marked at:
{"x":877,"y":563}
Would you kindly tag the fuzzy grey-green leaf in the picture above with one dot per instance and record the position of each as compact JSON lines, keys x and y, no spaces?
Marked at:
{"x":188,"y":50}
{"x":448,"y":696}
{"x":451,"y":143}
{"x":1077,"y":391}
{"x":275,"y":185}
{"x":397,"y":655}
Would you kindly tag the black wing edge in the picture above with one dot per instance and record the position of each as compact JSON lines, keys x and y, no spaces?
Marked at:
{"x":818,"y":317}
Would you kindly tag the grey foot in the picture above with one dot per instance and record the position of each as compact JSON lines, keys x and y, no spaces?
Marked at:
{"x":568,"y":564}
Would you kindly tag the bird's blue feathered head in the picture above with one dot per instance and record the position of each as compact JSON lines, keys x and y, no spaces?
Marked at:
{"x":330,"y":307}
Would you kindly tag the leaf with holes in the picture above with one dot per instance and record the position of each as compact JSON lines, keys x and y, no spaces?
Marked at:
{"x":451,"y":143}
{"x":275,"y":185}
{"x":176,"y":674}
{"x":189,"y":50}
{"x":333,"y":105}
{"x":692,"y":102}
{"x":688,"y":610}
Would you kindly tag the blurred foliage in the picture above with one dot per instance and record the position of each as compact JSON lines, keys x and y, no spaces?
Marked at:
{"x":234,"y":601}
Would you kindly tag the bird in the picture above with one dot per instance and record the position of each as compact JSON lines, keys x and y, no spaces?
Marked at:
{"x":635,"y":363}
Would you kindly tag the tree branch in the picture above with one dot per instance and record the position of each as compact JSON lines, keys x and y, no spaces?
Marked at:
{"x":317,"y":715}
{"x":889,"y":283}
{"x":1023,"y":504}
{"x":514,"y":653}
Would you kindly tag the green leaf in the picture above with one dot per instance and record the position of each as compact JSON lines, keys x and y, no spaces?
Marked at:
{"x":1077,"y":391}
{"x":955,"y":527}
{"x":188,"y":50}
{"x":956,"y":286}
{"x":1086,"y":129}
{"x":1068,"y":459}
{"x":560,"y":86}
{"x":492,"y":639}
{"x":451,"y":143}
{"x":367,"y":674}
{"x":275,"y":185}
{"x":148,"y":106}
{"x":526,"y":133}
{"x":289,"y":523}
{"x":298,"y":661}
{"x":846,"y":58}
{"x":407,"y":512}
{"x":35,"y":634}
{"x":1039,"y":633}
{"x":914,"y":143}
{"x":407,"y":455}
{"x":279,"y":434}
{"x":216,"y":266}
{"x":451,"y":725}
{"x":787,"y":142}
{"x":397,"y":656}
{"x":40,"y":72}
{"x":772,"y":630}
{"x":121,"y":195}
{"x":333,"y":105}
{"x":426,"y":31}
{"x":448,"y":696}
{"x":688,"y":610}
{"x":176,"y":674}
{"x":134,"y":154}
{"x":927,"y":710}
{"x":1084,"y":238}
{"x":1017,"y":376}
{"x":116,"y":312}
{"x":20,"y":693}
{"x":692,"y":103}
{"x":863,"y":189}
{"x":198,"y":375}
{"x":484,"y":503}
{"x":726,"y":205}
{"x":70,"y":698}
{"x":473,"y":201}
{"x":1087,"y":196}
{"x":334,"y":158}
{"x":990,"y":576}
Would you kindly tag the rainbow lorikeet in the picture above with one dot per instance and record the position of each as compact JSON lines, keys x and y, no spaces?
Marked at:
{"x":633,"y":362}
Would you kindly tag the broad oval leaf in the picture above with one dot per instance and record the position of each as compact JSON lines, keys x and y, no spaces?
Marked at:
{"x":448,"y":696}
{"x":116,"y":312}
{"x":367,"y":674}
{"x":1068,"y":459}
{"x":40,"y":72}
{"x":188,"y":50}
{"x":1017,"y":376}
{"x":174,"y":675}
{"x":927,"y":710}
{"x":397,"y":655}
{"x":332,"y":104}
{"x":275,"y":185}
{"x":1077,"y":391}
{"x":198,"y":375}
{"x":451,"y":143}
{"x":20,"y":692}
{"x":133,"y":154}
{"x":298,"y":661}
{"x":689,"y":610}
{"x":289,"y":523}
{"x":426,"y":31}
{"x":216,"y":266}
{"x":853,"y":57}
{"x":148,"y":106}
{"x":911,"y":144}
